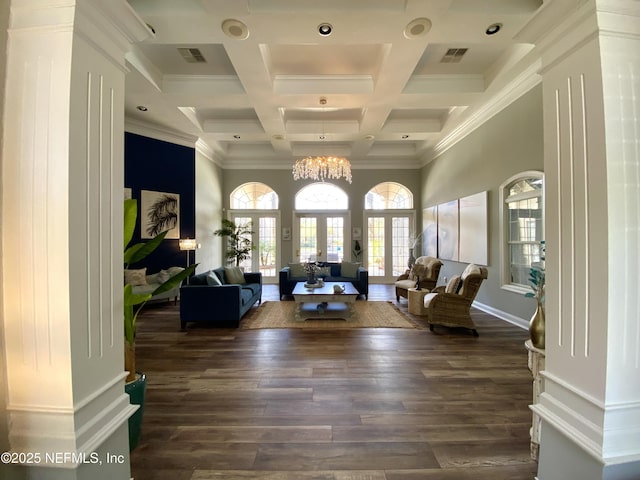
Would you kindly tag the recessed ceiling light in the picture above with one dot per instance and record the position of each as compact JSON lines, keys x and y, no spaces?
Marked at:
{"x":150,"y":27}
{"x":277,"y":137}
{"x":405,"y":136}
{"x":369,"y":137}
{"x":325,"y":29}
{"x":417,"y":28}
{"x":322,"y":137}
{"x":237,"y":137}
{"x":142,"y":108}
{"x":235,"y":29}
{"x":493,"y":28}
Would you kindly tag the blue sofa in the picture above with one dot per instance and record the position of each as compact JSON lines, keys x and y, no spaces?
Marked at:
{"x":332,"y":272}
{"x":220,"y":305}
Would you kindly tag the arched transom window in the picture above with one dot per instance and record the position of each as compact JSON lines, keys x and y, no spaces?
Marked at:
{"x":387,"y":196}
{"x":254,"y":196}
{"x":321,"y":196}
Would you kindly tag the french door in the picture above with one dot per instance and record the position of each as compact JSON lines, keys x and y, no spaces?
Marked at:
{"x":322,"y":236}
{"x":265,"y":256}
{"x":388,"y":238}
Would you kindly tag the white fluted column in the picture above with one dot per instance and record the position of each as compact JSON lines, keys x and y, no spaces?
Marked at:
{"x":591,"y":84}
{"x":62,"y":196}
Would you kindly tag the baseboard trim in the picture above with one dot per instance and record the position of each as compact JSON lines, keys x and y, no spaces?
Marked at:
{"x":502,"y":315}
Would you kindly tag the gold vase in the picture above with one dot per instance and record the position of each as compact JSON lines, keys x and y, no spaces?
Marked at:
{"x":537,"y":327}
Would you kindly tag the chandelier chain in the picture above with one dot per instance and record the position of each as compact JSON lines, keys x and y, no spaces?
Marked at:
{"x":323,"y":166}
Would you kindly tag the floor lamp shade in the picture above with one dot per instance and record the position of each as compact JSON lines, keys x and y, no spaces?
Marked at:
{"x":187,"y":243}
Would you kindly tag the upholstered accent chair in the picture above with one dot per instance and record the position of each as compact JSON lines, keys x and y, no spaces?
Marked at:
{"x":426,"y":268}
{"x":450,"y":306}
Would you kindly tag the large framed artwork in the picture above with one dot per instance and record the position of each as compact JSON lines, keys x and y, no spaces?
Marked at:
{"x":448,"y":230}
{"x":159,"y":211}
{"x":474,"y":229}
{"x":430,"y":231}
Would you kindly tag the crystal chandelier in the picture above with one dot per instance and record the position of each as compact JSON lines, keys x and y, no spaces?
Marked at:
{"x":322,"y":167}
{"x":319,"y":168}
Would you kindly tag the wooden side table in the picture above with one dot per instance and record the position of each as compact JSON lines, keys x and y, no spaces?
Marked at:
{"x":416,"y":301}
{"x":535,"y":362}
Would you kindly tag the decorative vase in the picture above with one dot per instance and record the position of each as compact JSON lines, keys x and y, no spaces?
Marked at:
{"x":311,"y":278}
{"x":412,"y":259}
{"x":537,"y":327}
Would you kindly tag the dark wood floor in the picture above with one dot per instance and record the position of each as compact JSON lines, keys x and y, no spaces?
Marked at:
{"x":360,"y":404}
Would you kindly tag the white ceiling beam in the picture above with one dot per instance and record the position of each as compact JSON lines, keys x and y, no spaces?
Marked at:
{"x":323,"y":84}
{"x":445,"y":84}
{"x":202,"y":85}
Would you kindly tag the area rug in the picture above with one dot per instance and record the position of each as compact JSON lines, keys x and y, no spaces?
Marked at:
{"x":370,"y":315}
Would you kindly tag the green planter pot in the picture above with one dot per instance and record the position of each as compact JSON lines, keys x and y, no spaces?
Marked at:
{"x":136,"y":390}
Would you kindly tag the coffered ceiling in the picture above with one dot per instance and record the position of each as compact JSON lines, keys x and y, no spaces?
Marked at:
{"x":400,"y":77}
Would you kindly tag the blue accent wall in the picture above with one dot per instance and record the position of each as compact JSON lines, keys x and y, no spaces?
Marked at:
{"x":160,"y":166}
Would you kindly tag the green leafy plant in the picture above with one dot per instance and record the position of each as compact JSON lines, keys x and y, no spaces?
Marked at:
{"x":133,"y":303}
{"x":537,"y":277}
{"x":239,"y":245}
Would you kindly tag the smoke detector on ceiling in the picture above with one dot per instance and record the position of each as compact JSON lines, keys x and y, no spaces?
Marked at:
{"x":235,"y":29}
{"x":417,"y":28}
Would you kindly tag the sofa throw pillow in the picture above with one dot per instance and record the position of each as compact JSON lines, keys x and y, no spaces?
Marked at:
{"x":234,"y":275}
{"x":297,"y":270}
{"x":163,"y":276}
{"x":349,"y":269}
{"x":135,"y":277}
{"x":454,"y":284}
{"x":418,"y":270}
{"x":324,"y":272}
{"x":212,"y":279}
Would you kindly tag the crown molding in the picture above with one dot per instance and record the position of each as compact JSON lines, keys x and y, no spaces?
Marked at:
{"x":204,"y":149}
{"x":159,"y":133}
{"x":516,"y":88}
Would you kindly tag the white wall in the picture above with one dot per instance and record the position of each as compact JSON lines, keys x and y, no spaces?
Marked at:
{"x":209,"y":205}
{"x":509,"y":143}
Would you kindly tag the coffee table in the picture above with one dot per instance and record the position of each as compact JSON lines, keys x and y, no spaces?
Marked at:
{"x":323,"y":302}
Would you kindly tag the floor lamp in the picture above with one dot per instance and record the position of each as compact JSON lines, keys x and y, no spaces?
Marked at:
{"x":187,"y":244}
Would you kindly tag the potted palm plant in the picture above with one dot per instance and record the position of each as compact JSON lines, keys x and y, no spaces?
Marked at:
{"x":239,"y":245}
{"x":136,"y":382}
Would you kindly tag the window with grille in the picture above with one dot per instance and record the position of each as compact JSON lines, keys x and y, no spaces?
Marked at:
{"x":523,"y":228}
{"x":254,"y":196}
{"x":257,"y":203}
{"x":388,"y":195}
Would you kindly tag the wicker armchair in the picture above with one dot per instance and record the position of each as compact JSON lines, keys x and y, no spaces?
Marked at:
{"x":426,"y":268}
{"x":450,"y":306}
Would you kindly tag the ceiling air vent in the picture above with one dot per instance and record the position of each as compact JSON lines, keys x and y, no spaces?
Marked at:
{"x":454,"y":55}
{"x":191,"y":55}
